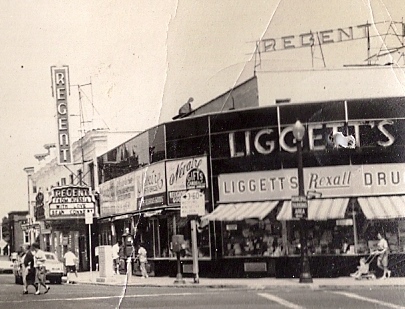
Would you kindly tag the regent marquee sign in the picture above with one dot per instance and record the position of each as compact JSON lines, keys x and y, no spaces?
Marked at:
{"x":60,"y":91}
{"x":331,"y":181}
{"x":68,"y":202}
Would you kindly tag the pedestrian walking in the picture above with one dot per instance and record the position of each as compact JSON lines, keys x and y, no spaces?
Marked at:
{"x":39,"y":260}
{"x":27,"y":269}
{"x":70,"y":260}
{"x":142,"y":257}
{"x":116,"y":256}
{"x":382,"y":259}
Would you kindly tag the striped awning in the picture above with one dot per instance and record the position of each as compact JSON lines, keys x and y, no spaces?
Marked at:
{"x":318,"y":209}
{"x":241,"y":211}
{"x":383,"y":207}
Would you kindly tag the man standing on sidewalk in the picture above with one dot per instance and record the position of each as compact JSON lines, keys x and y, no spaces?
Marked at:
{"x":142,"y":257}
{"x":116,"y":256}
{"x":70,"y":264}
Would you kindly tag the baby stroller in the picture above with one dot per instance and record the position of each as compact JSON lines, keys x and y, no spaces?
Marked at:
{"x":363,"y":270}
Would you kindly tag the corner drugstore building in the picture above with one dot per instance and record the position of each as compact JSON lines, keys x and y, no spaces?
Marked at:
{"x":245,"y":163}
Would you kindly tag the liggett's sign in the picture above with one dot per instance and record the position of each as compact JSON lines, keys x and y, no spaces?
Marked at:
{"x":266,"y":140}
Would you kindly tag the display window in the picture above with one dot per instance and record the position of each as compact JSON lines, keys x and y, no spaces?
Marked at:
{"x":323,"y":237}
{"x":165,"y":226}
{"x":337,"y":236}
{"x":393,"y":230}
{"x":252,"y":237}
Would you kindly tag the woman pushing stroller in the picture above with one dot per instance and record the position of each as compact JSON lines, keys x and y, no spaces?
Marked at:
{"x":382,"y":256}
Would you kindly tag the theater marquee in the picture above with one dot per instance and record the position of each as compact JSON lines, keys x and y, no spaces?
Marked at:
{"x":70,"y":202}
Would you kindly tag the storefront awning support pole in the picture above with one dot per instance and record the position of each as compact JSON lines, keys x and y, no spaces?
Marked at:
{"x":356,"y":240}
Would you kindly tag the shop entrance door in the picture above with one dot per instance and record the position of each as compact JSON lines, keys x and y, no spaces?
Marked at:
{"x":83,"y":260}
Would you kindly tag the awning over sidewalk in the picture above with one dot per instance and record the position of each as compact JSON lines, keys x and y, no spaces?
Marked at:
{"x":241,"y":211}
{"x":383,"y":207}
{"x":318,"y":209}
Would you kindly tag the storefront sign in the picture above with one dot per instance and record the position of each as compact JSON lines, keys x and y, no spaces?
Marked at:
{"x":125,"y":193}
{"x":310,"y":38}
{"x":183,"y":175}
{"x":118,"y":195}
{"x":331,"y":181}
{"x":71,"y":202}
{"x":107,"y":198}
{"x":39,"y":206}
{"x":151,"y":186}
{"x":60,"y":90}
{"x":376,"y":124}
{"x":267,"y":140}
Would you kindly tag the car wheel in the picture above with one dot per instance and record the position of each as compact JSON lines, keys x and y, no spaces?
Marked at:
{"x":58,"y":280}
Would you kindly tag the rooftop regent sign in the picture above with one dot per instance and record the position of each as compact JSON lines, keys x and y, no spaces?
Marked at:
{"x":71,"y":202}
{"x":310,"y":38}
{"x":60,"y":91}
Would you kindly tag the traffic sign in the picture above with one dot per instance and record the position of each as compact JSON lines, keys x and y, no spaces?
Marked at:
{"x":299,"y":207}
{"x":88,"y":217}
{"x":192,"y":202}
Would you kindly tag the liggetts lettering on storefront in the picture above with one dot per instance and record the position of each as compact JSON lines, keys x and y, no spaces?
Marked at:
{"x":267,"y":140}
{"x":331,"y":181}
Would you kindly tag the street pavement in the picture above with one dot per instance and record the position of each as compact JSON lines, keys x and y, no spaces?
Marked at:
{"x":250,"y":283}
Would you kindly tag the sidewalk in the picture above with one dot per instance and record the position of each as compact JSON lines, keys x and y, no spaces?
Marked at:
{"x":246,"y":283}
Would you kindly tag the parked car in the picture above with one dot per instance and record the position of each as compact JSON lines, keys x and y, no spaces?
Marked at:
{"x":54,"y":269}
{"x":6,"y":265}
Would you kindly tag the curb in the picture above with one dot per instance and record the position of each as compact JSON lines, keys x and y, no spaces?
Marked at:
{"x":246,"y":286}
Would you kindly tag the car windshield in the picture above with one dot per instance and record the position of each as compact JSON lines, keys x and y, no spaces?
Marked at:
{"x":49,"y":256}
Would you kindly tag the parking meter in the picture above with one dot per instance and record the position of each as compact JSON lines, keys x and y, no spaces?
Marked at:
{"x":178,"y":246}
{"x":127,"y":242}
{"x":177,"y":243}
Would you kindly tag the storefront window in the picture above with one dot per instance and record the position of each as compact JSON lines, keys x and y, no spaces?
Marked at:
{"x":337,"y":236}
{"x":394,"y":231}
{"x":164,"y":227}
{"x":252,"y":237}
{"x":324,"y":237}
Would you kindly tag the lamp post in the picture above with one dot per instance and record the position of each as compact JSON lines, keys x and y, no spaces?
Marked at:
{"x":305,"y":272}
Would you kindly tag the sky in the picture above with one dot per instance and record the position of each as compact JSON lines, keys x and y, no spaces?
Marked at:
{"x":138,"y":61}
